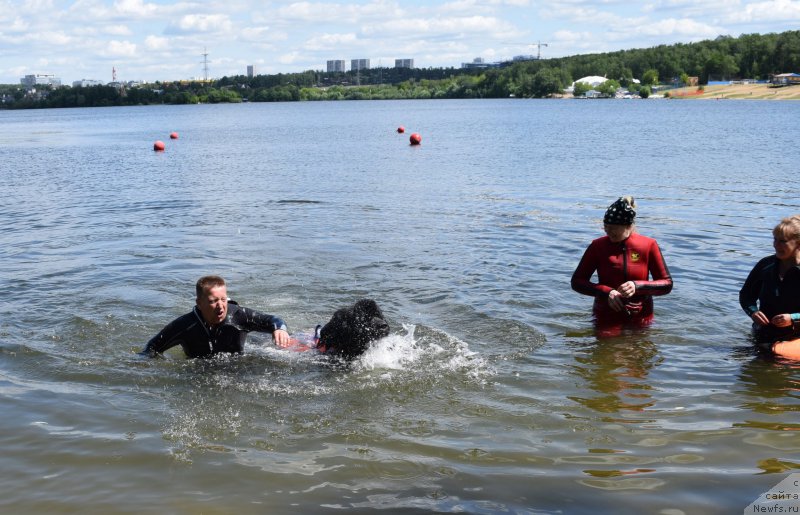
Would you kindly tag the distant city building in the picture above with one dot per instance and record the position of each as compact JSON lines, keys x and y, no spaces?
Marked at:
{"x":478,"y":62}
{"x":359,"y":64}
{"x":251,"y":71}
{"x":40,"y":80}
{"x":403,"y":63}
{"x":86,"y":83}
{"x":336,"y":65}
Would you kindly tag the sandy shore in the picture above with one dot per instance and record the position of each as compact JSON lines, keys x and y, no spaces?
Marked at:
{"x":740,"y":91}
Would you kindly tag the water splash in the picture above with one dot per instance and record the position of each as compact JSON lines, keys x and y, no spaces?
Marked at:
{"x":395,"y":352}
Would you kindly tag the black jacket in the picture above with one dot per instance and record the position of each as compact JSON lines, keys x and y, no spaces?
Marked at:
{"x":764,"y":291}
{"x":200,"y":341}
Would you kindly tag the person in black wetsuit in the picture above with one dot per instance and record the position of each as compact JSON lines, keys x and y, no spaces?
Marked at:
{"x":771,"y":294}
{"x":215,"y":325}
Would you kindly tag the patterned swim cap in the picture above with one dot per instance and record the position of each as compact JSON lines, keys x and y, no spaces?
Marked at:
{"x":620,"y":213}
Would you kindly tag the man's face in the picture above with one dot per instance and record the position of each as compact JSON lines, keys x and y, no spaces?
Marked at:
{"x":213,"y":304}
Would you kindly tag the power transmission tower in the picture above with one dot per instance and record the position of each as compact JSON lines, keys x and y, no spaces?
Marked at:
{"x":205,"y":64}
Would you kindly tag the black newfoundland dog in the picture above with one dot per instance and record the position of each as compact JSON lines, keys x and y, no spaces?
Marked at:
{"x":350,"y":330}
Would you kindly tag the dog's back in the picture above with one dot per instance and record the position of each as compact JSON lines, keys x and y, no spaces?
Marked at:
{"x":351,"y":329}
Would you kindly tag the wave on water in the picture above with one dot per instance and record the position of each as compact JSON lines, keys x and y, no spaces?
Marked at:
{"x":420,"y":350}
{"x":226,"y":401}
{"x":298,"y":201}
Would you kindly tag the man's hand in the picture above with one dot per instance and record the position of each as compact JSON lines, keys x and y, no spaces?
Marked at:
{"x":281,"y":338}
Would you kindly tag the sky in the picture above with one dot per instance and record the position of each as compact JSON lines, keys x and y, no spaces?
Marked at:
{"x":183,"y":39}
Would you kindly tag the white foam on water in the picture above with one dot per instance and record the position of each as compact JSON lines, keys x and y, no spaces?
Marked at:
{"x":438,"y":353}
{"x":394,"y":352}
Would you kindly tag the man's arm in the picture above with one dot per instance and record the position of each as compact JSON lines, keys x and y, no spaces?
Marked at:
{"x":252,"y":320}
{"x":173,"y":334}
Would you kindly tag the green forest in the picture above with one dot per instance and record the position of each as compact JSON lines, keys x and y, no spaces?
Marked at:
{"x":751,"y":56}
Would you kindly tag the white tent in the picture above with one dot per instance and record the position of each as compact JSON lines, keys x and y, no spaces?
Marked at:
{"x":592,"y":80}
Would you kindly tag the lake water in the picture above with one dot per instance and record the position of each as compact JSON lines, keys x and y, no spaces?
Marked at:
{"x":492,"y":395}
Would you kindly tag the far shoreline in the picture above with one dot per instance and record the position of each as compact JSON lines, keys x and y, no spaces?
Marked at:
{"x":737,"y":92}
{"x":759,"y":91}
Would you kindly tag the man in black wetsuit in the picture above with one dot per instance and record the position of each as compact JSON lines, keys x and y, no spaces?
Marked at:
{"x":215,"y":325}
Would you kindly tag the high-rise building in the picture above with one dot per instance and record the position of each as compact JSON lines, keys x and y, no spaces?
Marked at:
{"x":359,"y":64}
{"x":251,"y":71}
{"x":37,"y":80}
{"x":336,"y":65}
{"x":403,"y":63}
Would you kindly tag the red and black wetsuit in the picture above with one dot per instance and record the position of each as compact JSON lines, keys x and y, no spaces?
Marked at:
{"x":634,"y":259}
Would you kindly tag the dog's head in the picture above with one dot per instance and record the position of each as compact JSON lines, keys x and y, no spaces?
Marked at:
{"x":350,"y":330}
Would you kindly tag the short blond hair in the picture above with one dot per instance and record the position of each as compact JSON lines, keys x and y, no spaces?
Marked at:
{"x":788,"y":228}
{"x":207,"y":282}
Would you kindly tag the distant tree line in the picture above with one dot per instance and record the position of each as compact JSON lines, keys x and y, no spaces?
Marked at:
{"x":751,"y":56}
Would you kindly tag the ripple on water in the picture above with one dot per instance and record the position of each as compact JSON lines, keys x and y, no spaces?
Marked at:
{"x":492,"y":395}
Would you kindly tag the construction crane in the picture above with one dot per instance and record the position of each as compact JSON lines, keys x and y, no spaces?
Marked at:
{"x":538,"y":45}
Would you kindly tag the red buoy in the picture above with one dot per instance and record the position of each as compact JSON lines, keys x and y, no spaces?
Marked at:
{"x":415,"y":139}
{"x":159,"y":146}
{"x":401,"y":130}
{"x":173,"y":135}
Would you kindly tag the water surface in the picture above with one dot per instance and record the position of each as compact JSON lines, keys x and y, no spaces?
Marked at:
{"x":492,"y":395}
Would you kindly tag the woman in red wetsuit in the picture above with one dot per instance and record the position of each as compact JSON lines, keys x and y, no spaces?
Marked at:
{"x":624,"y":260}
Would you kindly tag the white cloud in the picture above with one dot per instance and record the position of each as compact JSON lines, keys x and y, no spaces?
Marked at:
{"x":156,"y":43}
{"x":17,"y":26}
{"x":331,"y":41}
{"x":289,"y":58}
{"x":116,"y":48}
{"x":704,"y":8}
{"x":254,"y":34}
{"x":135,"y":7}
{"x":34,"y":7}
{"x":775,"y":10}
{"x":441,"y":27}
{"x":683,"y":27}
{"x":569,"y":37}
{"x":118,"y":30}
{"x":204,"y":23}
{"x":459,"y":6}
{"x":628,"y":28}
{"x":52,"y":38}
{"x":164,"y":39}
{"x":339,"y":13}
{"x":130,"y":11}
{"x":310,"y":12}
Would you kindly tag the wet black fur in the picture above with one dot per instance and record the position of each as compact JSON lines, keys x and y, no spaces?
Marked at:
{"x":350,"y":330}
